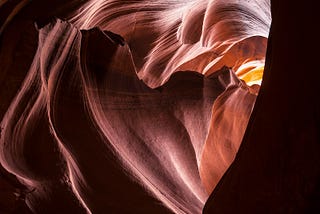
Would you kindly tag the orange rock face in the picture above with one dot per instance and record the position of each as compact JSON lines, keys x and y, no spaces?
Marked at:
{"x":132,"y":106}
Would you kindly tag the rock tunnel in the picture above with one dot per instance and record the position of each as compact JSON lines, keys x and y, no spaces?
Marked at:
{"x":150,"y":106}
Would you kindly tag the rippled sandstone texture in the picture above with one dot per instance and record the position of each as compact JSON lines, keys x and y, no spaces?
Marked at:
{"x":139,"y":107}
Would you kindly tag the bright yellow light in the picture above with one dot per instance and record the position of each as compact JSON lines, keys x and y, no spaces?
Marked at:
{"x":253,"y":76}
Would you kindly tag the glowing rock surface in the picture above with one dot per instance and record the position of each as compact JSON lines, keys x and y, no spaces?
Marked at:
{"x":125,"y":106}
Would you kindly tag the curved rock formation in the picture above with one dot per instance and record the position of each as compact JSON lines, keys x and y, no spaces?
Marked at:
{"x":141,"y":107}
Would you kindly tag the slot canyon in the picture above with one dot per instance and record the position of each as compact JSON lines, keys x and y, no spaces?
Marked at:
{"x":159,"y":106}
